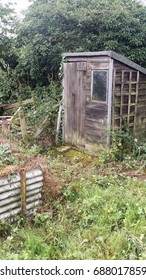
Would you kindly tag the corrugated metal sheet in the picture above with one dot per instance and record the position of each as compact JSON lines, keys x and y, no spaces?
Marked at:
{"x":10,"y":194}
{"x":34,"y":183}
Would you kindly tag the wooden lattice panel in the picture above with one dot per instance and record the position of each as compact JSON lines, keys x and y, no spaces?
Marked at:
{"x":125,"y":96}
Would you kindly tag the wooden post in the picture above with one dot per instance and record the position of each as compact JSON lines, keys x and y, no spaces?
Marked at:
{"x":58,"y":123}
{"x":43,"y":125}
{"x":23,"y":190}
{"x":22,"y":123}
{"x":5,"y":126}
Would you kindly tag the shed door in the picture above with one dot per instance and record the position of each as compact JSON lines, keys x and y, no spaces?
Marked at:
{"x":74,"y":102}
{"x":96,"y":112}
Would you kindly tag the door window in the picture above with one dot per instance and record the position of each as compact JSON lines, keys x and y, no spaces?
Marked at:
{"x":99,"y":85}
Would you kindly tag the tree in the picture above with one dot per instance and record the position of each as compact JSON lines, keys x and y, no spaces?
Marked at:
{"x":8,"y":56}
{"x":53,"y":27}
{"x":8,"y":23}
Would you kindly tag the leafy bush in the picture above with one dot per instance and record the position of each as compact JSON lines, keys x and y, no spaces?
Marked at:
{"x":5,"y":154}
{"x":47,"y":101}
{"x":123,"y":144}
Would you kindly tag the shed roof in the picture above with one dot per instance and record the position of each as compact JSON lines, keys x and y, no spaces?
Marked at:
{"x":111,"y":54}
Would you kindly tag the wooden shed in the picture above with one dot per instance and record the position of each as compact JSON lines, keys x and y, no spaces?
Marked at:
{"x":102,"y":91}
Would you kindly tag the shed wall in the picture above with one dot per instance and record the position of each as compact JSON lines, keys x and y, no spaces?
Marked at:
{"x":129,"y":97}
{"x":86,"y":120}
{"x":90,"y":122}
{"x":140,"y":130}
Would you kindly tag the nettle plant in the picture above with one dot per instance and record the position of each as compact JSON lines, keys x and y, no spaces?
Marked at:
{"x":6,"y":155}
{"x":46,"y":104}
{"x":123,"y":144}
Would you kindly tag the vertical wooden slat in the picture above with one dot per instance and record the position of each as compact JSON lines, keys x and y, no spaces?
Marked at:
{"x":73,"y":103}
{"x":80,"y":96}
{"x":129,"y":97}
{"x":66,"y":93}
{"x":113,"y":100}
{"x":23,"y":190}
{"x":82,"y":112}
{"x":121,"y":104}
{"x":22,"y":123}
{"x":136,"y":102}
{"x":110,"y":82}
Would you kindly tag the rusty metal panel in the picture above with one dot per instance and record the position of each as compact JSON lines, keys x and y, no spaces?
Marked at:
{"x":10,"y":197}
{"x":34,"y":184}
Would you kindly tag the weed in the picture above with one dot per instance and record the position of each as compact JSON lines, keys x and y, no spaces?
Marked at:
{"x":5,"y":228}
{"x":6,"y":155}
{"x":95,"y":216}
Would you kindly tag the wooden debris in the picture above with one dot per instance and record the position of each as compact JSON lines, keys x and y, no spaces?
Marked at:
{"x":43,"y":126}
{"x":22,"y":123}
{"x":58,"y":123}
{"x":5,"y":126}
{"x":63,"y":149}
{"x":23,"y":190}
{"x":7,"y":107}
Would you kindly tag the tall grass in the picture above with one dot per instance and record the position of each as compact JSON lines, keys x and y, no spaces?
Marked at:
{"x":95,"y":217}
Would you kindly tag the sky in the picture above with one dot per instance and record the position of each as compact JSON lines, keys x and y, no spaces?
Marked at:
{"x":20,"y":4}
{"x":23,"y":4}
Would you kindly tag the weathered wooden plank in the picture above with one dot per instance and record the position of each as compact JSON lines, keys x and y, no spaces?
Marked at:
{"x":94,"y":114}
{"x":23,"y":124}
{"x":42,"y":127}
{"x":98,"y":133}
{"x":98,"y":65}
{"x":23,"y":190}
{"x":7,"y":107}
{"x":95,"y":125}
{"x":136,"y":102}
{"x":109,"y":99}
{"x":65,"y":89}
{"x":73,"y":102}
{"x":88,"y":59}
{"x":100,"y":139}
{"x":129,"y":99}
{"x":82,"y":112}
{"x":81,"y":66}
{"x":121,"y":66}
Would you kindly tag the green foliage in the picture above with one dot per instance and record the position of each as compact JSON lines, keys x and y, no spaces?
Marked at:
{"x":105,"y":220}
{"x":47,"y":101}
{"x":51,"y":28}
{"x":32,"y":150}
{"x":7,"y":30}
{"x":5,"y":228}
{"x":8,"y":53}
{"x":95,"y":216}
{"x":123,"y":145}
{"x":5,"y":155}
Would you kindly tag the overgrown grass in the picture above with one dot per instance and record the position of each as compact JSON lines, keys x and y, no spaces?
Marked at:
{"x":95,"y":216}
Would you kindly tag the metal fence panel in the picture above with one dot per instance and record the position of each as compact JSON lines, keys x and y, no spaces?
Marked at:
{"x":10,"y":193}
